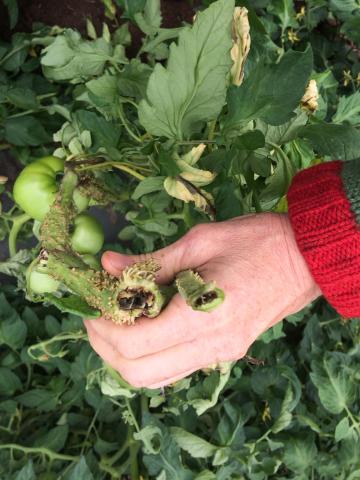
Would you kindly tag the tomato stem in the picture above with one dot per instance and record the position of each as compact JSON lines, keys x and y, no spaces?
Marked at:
{"x":125,"y":123}
{"x":119,"y":166}
{"x":18,"y":222}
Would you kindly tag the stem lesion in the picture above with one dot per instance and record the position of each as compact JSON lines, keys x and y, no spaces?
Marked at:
{"x":122,"y":300}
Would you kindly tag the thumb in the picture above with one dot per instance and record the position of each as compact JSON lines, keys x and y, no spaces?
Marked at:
{"x":197,"y":247}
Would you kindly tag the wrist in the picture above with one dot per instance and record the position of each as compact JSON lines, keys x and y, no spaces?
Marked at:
{"x":304,"y":288}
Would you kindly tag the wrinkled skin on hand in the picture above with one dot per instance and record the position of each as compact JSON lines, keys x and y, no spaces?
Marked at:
{"x":254,"y":259}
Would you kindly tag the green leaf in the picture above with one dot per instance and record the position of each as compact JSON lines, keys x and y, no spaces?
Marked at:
{"x":227,"y":201}
{"x":15,"y":265}
{"x":201,"y":405}
{"x":149,"y":21}
{"x":72,"y":304}
{"x":19,"y":51}
{"x":71,"y":58}
{"x":23,"y":98}
{"x":192,"y":88}
{"x":9,"y":382}
{"x":149,"y":185}
{"x":277,"y":185}
{"x":81,"y":471}
{"x":111,"y":387}
{"x":340,"y":142}
{"x":103,"y":133}
{"x":150,"y":436}
{"x":300,"y":454}
{"x":335,"y":385}
{"x":285,"y":416}
{"x":250,"y":140}
{"x":43,"y":400}
{"x":134,"y":78}
{"x":348,"y":109}
{"x":344,"y":9}
{"x":285,"y":11}
{"x":163,"y":34}
{"x":166,"y":459}
{"x":13,"y":329}
{"x":270,"y":92}
{"x":342,"y":429}
{"x":194,"y":445}
{"x":131,"y":7}
{"x":284,"y":133}
{"x":27,"y":472}
{"x":205,"y":475}
{"x":24,"y":131}
{"x":351,"y":28}
{"x":54,"y":439}
{"x":273,"y":333}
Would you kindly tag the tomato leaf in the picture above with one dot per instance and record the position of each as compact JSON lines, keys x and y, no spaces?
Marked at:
{"x":192,"y":88}
{"x":340,"y":142}
{"x":72,"y":304}
{"x":270,"y":92}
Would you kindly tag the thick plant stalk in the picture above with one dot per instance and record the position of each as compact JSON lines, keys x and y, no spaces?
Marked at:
{"x":198,"y":294}
{"x":122,"y":300}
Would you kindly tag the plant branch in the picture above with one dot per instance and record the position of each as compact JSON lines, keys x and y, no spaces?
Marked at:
{"x":18,"y":222}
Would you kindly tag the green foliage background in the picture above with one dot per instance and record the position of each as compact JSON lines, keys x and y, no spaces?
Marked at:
{"x":292,"y":414}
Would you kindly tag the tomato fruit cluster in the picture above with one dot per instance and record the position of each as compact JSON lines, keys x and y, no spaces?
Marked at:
{"x":35,"y":190}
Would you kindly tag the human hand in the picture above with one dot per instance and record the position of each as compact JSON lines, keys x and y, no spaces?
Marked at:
{"x":257,"y":263}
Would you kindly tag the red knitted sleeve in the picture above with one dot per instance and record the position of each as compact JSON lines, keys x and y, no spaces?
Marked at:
{"x":327,"y":233}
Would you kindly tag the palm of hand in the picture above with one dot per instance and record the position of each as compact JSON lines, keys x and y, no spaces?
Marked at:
{"x":256,"y":262}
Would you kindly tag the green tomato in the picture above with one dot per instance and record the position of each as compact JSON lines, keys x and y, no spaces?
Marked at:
{"x":92,"y":261}
{"x":39,"y":282}
{"x":88,"y":235}
{"x":36,"y":187}
{"x":81,"y":202}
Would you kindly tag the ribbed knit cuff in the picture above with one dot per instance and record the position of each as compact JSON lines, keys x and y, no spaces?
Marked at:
{"x":327,"y":233}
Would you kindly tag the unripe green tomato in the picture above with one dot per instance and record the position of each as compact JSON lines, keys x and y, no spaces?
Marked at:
{"x":88,"y":235}
{"x":81,"y":202}
{"x":36,"y":187}
{"x":39,"y":282}
{"x":92,"y":261}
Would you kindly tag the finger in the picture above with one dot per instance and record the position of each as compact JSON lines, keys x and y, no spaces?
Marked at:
{"x":172,"y":380}
{"x":178,"y":323}
{"x":197,"y":247}
{"x":162,"y":368}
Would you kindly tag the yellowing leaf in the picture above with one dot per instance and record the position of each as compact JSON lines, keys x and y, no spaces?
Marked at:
{"x":310,"y":99}
{"x":242,"y":42}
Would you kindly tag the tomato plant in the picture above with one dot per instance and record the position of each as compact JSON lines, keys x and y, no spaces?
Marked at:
{"x":205,"y":123}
